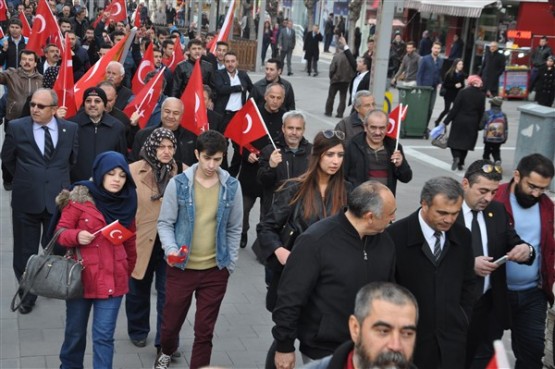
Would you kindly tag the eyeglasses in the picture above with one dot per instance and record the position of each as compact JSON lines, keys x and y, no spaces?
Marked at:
{"x":534,"y":188}
{"x":40,"y":106}
{"x":488,"y":168}
{"x":329,"y":133}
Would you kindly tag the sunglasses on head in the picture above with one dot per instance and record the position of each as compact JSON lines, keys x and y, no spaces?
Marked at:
{"x":329,"y":133}
{"x":488,"y":168}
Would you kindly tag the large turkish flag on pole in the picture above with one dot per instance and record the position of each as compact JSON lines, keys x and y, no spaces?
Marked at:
{"x":45,"y":29}
{"x":146,"y":66}
{"x":64,"y":84}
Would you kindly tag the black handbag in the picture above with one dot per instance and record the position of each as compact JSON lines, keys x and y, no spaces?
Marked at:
{"x":53,"y":276}
{"x":442,"y":91}
{"x":290,"y":230}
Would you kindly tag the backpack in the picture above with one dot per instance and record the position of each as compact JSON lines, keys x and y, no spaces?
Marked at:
{"x":495,"y":129}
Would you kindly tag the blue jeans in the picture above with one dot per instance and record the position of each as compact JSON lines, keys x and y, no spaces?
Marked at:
{"x":105,"y":315}
{"x":528,"y":311}
{"x":137,"y":300}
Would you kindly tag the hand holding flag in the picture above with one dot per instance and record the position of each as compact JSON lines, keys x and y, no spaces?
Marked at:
{"x":144,"y":102}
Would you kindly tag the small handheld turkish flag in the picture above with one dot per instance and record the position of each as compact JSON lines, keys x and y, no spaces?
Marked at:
{"x":116,"y":233}
{"x":396,"y":116}
{"x":246,"y":126}
{"x":194,"y":116}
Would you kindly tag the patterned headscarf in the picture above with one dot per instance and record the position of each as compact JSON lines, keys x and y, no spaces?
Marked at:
{"x":163,"y":172}
{"x":474,"y":80}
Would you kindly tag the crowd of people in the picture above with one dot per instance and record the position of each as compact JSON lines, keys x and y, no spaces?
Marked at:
{"x":327,"y":223}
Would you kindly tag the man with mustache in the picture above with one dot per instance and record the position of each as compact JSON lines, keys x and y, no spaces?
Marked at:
{"x":530,"y":286}
{"x":382,"y":328}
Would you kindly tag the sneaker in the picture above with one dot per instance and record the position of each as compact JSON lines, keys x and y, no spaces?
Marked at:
{"x":139,"y":343}
{"x":176,"y":355}
{"x":162,"y":361}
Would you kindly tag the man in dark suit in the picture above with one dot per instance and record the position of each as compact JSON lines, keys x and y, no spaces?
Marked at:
{"x":312,"y":49}
{"x":492,"y":68}
{"x":232,"y":86}
{"x":435,"y":262}
{"x":492,"y":238}
{"x":429,"y":73}
{"x":38,"y":151}
{"x":286,"y":45}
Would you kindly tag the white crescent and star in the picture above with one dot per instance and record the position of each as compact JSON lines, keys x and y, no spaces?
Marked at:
{"x":143,"y":65}
{"x":42,"y":22}
{"x":113,"y":234}
{"x":197,"y":102}
{"x":391,"y":126}
{"x":118,"y":6}
{"x":249,"y":124}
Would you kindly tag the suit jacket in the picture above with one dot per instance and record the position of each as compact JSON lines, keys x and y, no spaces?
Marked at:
{"x":501,"y":239}
{"x":37,"y":181}
{"x":429,"y":72}
{"x":286,"y":42}
{"x":445,"y":291}
{"x":222,"y":82}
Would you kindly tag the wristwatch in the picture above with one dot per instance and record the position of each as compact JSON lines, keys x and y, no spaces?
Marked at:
{"x":531,"y":251}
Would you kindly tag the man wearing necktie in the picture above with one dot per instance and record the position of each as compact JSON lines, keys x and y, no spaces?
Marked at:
{"x":39,"y":151}
{"x":286,"y":44}
{"x":435,"y":262}
{"x":492,"y":238}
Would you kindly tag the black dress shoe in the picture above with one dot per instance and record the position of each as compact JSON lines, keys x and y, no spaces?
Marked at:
{"x":243,"y":243}
{"x":139,"y":343}
{"x":327,"y":114}
{"x":25,"y":309}
{"x":339,"y":116}
{"x":290,"y":73}
{"x":8,"y":186}
{"x":315,"y":75}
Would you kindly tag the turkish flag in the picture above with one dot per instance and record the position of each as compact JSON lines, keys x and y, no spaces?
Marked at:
{"x":2,"y":35}
{"x":45,"y":29}
{"x":194,"y":116}
{"x":64,"y":83}
{"x":146,"y":66}
{"x":246,"y":126}
{"x":145,"y":101}
{"x":116,"y":233}
{"x":96,"y":74}
{"x":176,"y":58}
{"x":118,"y":10}
{"x":223,"y":35}
{"x":499,"y":359}
{"x":26,"y":30}
{"x":136,"y":17}
{"x":3,"y":12}
{"x":394,"y":122}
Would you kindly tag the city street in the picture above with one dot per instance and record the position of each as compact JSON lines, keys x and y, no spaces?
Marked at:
{"x":243,"y":330}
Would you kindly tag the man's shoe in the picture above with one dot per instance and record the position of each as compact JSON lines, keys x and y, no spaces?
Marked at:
{"x":460,"y":167}
{"x":315,"y":74}
{"x":290,"y":73}
{"x":339,"y":115}
{"x":162,"y":361}
{"x":25,"y":309}
{"x":455,"y":164}
{"x":8,"y":186}
{"x":139,"y":343}
{"x":176,"y":355}
{"x":327,"y":114}
{"x":243,"y":243}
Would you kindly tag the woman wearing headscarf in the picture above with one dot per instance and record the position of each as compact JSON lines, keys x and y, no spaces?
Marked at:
{"x":151,"y":174}
{"x":466,"y":117}
{"x":107,"y":263}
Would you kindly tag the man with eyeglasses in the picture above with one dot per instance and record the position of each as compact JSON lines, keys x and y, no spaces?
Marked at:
{"x":38,"y":151}
{"x":492,"y":238}
{"x":530,"y":286}
{"x":353,"y":124}
{"x":372,"y":155}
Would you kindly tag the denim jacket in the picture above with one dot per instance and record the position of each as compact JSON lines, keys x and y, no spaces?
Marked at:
{"x":177,"y":217}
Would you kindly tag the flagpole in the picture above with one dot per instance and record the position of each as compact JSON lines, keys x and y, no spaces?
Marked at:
{"x":263,"y":123}
{"x":399,"y":127}
{"x":154,"y":84}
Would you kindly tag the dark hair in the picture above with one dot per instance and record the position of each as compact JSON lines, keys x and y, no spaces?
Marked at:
{"x":162,"y":31}
{"x":367,"y":61}
{"x":309,"y":180}
{"x":231,"y":53}
{"x":211,"y":142}
{"x":166,"y":43}
{"x":411,"y":43}
{"x":385,"y":291}
{"x":150,"y":75}
{"x":194,"y":41}
{"x":366,"y":198}
{"x":155,"y":48}
{"x":114,"y":34}
{"x":220,"y":43}
{"x":207,"y":89}
{"x":451,"y":70}
{"x":543,"y":38}
{"x":104,"y":45}
{"x":64,"y":20}
{"x":29,"y":52}
{"x":277,"y":62}
{"x":475,"y":170}
{"x":437,"y":43}
{"x":445,"y":186}
{"x":16,"y":21}
{"x":535,"y":163}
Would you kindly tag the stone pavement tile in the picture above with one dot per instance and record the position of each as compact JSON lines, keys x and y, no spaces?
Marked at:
{"x":128,"y":361}
{"x":219,"y":358}
{"x":40,"y":341}
{"x":47,"y":313}
{"x":10,"y":363}
{"x":257,"y":344}
{"x":229,"y":344}
{"x":53,"y":361}
{"x":147,"y":359}
{"x":263,"y":330}
{"x":31,"y":362}
{"x":255,"y":359}
{"x":9,"y":338}
{"x":235,"y":332}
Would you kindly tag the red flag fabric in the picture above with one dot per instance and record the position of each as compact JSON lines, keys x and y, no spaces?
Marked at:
{"x":96,"y":74}
{"x":147,"y":98}
{"x":118,"y":10}
{"x":375,"y":4}
{"x":137,"y":16}
{"x":394,"y":125}
{"x":26,"y":29}
{"x":223,"y":35}
{"x":64,"y":83}
{"x":45,"y":29}
{"x":246,"y":126}
{"x":2,"y":35}
{"x":3,"y":12}
{"x":499,"y":359}
{"x":176,"y":58}
{"x":146,"y":66}
{"x":194,"y":116}
{"x":116,"y":233}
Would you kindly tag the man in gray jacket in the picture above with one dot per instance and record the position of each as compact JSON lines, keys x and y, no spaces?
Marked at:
{"x":286,"y":44}
{"x":406,"y":75}
{"x":341,"y":75}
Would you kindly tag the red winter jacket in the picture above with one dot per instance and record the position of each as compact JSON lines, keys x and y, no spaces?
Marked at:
{"x":107,"y":267}
{"x":547,"y":242}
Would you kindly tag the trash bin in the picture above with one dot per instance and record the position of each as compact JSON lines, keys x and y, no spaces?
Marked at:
{"x":536,"y":133}
{"x":418,"y":101}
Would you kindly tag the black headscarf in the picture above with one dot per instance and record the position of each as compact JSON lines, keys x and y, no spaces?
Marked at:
{"x":162,"y":172}
{"x":120,"y":206}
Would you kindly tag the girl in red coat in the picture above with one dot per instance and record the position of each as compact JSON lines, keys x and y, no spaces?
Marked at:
{"x":86,"y":209}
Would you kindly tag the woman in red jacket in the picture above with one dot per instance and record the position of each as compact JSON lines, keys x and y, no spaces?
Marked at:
{"x":85,"y":210}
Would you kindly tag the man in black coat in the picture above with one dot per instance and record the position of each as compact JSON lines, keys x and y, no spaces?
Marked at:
{"x":272,"y":74}
{"x":232,"y":86}
{"x":39,"y":152}
{"x":329,"y":263}
{"x":184,"y":70}
{"x":492,"y":238}
{"x":492,"y":68}
{"x":311,"y":49}
{"x":435,"y":262}
{"x":98,"y":132}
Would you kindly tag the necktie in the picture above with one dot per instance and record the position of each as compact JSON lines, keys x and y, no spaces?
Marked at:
{"x":476,"y":235}
{"x":48,"y":144}
{"x":437,"y":245}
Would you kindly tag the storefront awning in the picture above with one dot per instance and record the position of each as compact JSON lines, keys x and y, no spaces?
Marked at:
{"x":458,"y":8}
